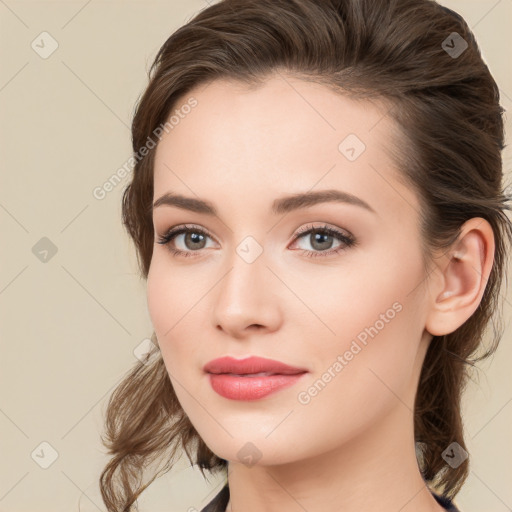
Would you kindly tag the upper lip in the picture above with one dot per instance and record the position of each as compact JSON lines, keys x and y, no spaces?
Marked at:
{"x":251,"y":364}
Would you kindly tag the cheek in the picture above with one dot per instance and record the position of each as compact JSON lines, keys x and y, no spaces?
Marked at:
{"x":377,"y":336}
{"x":156,"y":295}
{"x":343,"y":300}
{"x":372,"y":317}
{"x":163,"y":300}
{"x":176,"y":302}
{"x":170,"y":292}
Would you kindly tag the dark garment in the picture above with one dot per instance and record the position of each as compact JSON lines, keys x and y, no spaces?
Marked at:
{"x":220,"y":502}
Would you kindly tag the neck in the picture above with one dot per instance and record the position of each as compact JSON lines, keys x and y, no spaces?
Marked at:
{"x":376,"y":471}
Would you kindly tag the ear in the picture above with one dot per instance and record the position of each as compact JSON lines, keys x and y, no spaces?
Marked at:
{"x":461,"y":276}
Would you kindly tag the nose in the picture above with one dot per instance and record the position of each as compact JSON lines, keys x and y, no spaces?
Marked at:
{"x":247,"y":299}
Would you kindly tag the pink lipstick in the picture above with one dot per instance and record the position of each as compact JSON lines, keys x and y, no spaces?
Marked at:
{"x":251,"y":378}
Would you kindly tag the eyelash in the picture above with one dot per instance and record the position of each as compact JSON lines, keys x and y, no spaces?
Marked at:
{"x":347,"y":241}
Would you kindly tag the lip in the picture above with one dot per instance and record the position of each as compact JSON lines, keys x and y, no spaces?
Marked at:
{"x":232,"y":379}
{"x":242,"y":387}
{"x":252,"y":364}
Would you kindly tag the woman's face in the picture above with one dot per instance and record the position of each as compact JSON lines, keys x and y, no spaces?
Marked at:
{"x":350,"y":313}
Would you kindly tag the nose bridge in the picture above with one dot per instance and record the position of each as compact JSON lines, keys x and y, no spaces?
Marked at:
{"x":245,"y":294}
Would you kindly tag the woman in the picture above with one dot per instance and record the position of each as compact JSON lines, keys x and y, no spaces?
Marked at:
{"x":317,"y":206}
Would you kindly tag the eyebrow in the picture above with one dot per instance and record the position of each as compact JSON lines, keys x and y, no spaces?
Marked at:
{"x":279,"y":206}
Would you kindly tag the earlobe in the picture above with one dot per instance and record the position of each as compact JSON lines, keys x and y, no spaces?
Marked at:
{"x":464,"y":273}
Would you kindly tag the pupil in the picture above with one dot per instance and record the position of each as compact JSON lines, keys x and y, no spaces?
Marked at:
{"x":196,"y":237}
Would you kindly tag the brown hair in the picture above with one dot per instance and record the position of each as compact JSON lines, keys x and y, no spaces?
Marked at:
{"x":447,"y":109}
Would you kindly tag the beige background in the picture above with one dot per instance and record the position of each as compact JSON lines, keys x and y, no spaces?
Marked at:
{"x":69,"y":326}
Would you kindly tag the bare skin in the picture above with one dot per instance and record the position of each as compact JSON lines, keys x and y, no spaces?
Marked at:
{"x":349,"y":446}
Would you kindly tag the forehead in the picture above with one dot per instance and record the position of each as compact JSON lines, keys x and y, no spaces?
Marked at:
{"x":287,"y":135}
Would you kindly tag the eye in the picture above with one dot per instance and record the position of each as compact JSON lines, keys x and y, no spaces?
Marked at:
{"x":194,"y":238}
{"x":320,"y":239}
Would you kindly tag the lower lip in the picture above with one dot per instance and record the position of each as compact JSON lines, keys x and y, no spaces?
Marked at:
{"x":235,"y":387}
